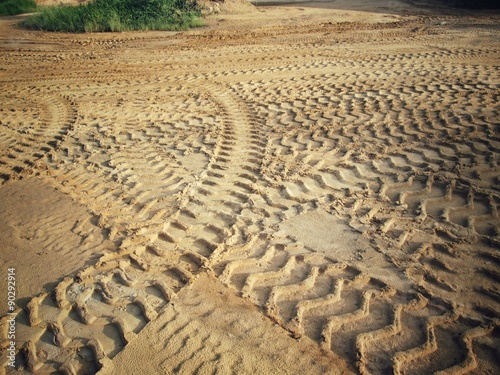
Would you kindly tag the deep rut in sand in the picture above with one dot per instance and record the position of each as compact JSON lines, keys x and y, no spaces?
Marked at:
{"x":347,"y":190}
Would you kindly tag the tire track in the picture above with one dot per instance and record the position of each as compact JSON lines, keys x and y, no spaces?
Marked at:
{"x":105,"y":306}
{"x":29,"y":133}
{"x":193,"y":166}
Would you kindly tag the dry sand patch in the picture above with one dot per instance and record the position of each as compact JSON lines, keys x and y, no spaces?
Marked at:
{"x":318,"y":179}
{"x":45,"y":248}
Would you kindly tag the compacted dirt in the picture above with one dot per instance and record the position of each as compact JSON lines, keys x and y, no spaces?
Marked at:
{"x":297,"y":189}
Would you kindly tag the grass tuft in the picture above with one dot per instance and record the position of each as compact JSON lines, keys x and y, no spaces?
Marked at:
{"x":118,"y":15}
{"x":13,"y":7}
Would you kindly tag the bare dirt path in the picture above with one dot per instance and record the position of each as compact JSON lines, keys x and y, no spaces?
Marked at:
{"x":295,"y":189}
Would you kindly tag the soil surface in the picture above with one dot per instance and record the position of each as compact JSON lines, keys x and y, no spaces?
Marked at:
{"x":309,"y":188}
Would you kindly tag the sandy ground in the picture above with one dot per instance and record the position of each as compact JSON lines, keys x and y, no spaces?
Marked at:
{"x":296,"y":189}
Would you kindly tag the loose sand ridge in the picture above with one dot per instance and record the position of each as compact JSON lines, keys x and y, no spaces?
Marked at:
{"x":306,"y":190}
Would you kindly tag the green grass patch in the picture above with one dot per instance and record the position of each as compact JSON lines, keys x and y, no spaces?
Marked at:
{"x":118,"y":15}
{"x":13,"y":7}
